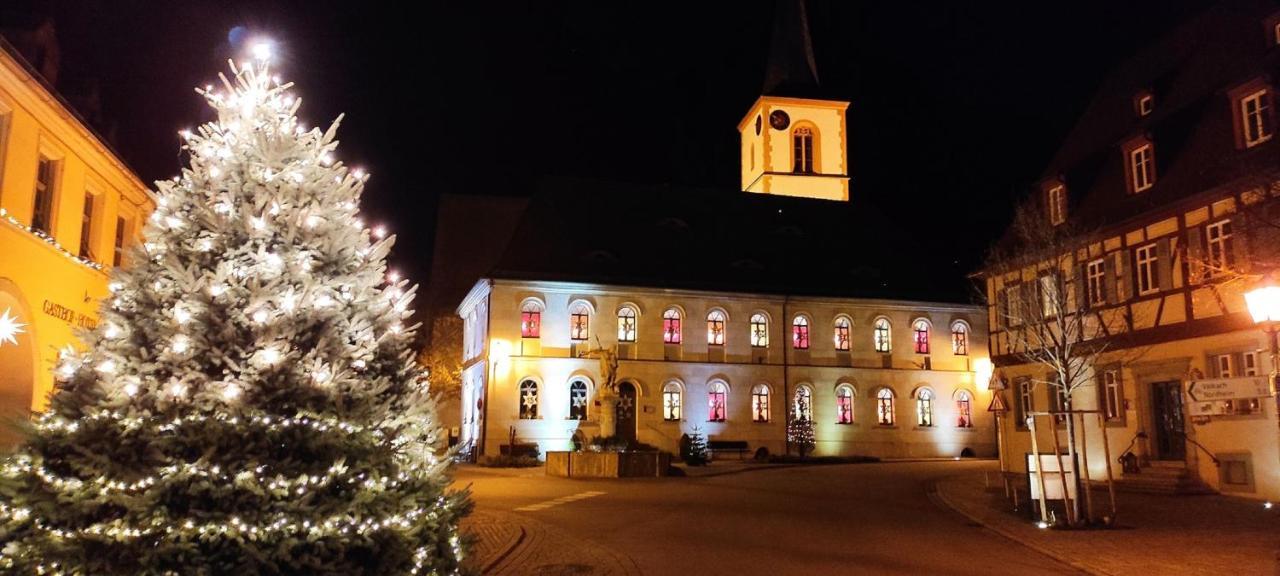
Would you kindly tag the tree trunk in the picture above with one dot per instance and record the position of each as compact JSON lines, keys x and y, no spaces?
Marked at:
{"x":1071,"y":455}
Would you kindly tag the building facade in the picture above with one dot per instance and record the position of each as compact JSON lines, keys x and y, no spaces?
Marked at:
{"x":69,"y":207}
{"x":876,"y":377}
{"x":1174,"y":174}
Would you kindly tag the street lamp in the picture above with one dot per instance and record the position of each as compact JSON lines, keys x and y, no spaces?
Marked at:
{"x":1264,"y":306}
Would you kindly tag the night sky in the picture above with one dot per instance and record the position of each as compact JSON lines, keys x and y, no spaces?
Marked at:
{"x":956,"y":106}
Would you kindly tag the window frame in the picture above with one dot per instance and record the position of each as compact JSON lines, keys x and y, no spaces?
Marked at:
{"x":531,"y":319}
{"x":844,"y":404}
{"x":964,"y":409}
{"x":920,"y":336}
{"x":761,"y":398}
{"x":716,"y":322}
{"x":759,"y":326}
{"x":1142,"y":168}
{"x":44,"y":200}
{"x":89,"y":216}
{"x":527,"y":411}
{"x":1024,"y":387}
{"x":800,"y":337}
{"x":579,"y":412}
{"x":1057,"y":202}
{"x":1219,"y":247}
{"x":672,"y":402}
{"x":1112,"y":395}
{"x":717,"y":391}
{"x":924,"y":408}
{"x":840,"y":336}
{"x":882,"y":335}
{"x":1096,"y":281}
{"x":885,"y":408}
{"x":960,"y":338}
{"x":1258,"y":120}
{"x":628,"y":319}
{"x":803,"y":153}
{"x":579,"y":322}
{"x":672,"y":326}
{"x":1146,"y":269}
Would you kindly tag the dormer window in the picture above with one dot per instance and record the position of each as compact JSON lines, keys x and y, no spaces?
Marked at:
{"x":1144,"y":103}
{"x":1056,"y":202}
{"x":1255,"y":117}
{"x":1140,"y":165}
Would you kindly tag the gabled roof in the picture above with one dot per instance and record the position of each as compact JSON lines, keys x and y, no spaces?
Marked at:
{"x":682,"y":238}
{"x":1189,"y":72}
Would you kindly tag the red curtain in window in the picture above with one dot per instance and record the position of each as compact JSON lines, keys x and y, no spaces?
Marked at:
{"x":671,"y":330}
{"x":844,"y":406}
{"x":530,"y":324}
{"x":716,"y":403}
{"x":922,"y":340}
{"x":800,"y":336}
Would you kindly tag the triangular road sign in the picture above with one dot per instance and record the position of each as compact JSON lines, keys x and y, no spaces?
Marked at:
{"x":997,"y":404}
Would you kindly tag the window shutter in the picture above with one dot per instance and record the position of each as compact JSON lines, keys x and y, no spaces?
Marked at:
{"x":1242,"y":233}
{"x":1109,"y":279}
{"x":1164,"y":262}
{"x":1195,"y":254}
{"x":1124,"y":276}
{"x":1079,"y":289}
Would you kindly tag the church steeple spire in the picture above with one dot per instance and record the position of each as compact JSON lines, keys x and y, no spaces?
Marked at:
{"x":792,"y":69}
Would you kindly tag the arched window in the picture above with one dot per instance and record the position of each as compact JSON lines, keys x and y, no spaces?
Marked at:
{"x":841,"y":336}
{"x":759,"y":331}
{"x":760,"y":403}
{"x":578,"y":400}
{"x":671,"y":326}
{"x":715,"y":328}
{"x":964,"y":410}
{"x":924,"y":407}
{"x":528,"y":400}
{"x":802,"y":145}
{"x":579,"y":322}
{"x":844,"y":405}
{"x":626,"y":324}
{"x":800,"y":333}
{"x":717,"y":395}
{"x":671,"y":401}
{"x":920,"y":336}
{"x":531,"y":319}
{"x":803,"y":409}
{"x":883,"y":336}
{"x":884,"y":407}
{"x":959,"y":338}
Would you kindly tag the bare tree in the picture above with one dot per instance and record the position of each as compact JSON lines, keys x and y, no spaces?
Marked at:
{"x":1051,"y":311}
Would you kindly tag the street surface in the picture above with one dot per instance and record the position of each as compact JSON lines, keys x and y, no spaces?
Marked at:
{"x":845,"y":519}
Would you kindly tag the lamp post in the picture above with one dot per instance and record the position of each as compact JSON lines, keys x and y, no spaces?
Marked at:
{"x":1264,"y":306}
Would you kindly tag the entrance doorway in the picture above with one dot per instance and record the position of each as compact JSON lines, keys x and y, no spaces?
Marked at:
{"x":1166,"y":411}
{"x":626,"y":412}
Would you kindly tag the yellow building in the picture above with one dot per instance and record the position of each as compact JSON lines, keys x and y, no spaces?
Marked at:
{"x":68,"y":208}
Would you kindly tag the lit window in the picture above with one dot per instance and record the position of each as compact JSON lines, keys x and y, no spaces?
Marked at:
{"x":626,"y":324}
{"x":1057,"y":202}
{"x":122,"y":228}
{"x":964,"y":410}
{"x":1225,"y":365}
{"x":884,"y":407}
{"x":882,"y":336}
{"x":671,"y":326}
{"x":959,"y":338}
{"x":920,"y":336}
{"x":1219,"y":257}
{"x":671,"y":402}
{"x":1148,"y":268}
{"x":1095,"y":278}
{"x":802,"y":144}
{"x":759,"y":331}
{"x":803,"y":409}
{"x":531,"y":320}
{"x":924,"y":407}
{"x":800,"y":333}
{"x":1250,"y":364}
{"x":1142,"y":168}
{"x":86,"y":227}
{"x":528,"y":400}
{"x":716,"y":396}
{"x":760,"y":403}
{"x":42,"y":214}
{"x":1113,"y":395}
{"x":1255,"y":115}
{"x":844,"y":405}
{"x":1050,"y":304}
{"x":841,"y":336}
{"x":578,"y":400}
{"x":715,"y":328}
{"x":1013,"y":307}
{"x":580,"y":323}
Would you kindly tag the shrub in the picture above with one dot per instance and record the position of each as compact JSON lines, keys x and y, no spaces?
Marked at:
{"x":509,"y":461}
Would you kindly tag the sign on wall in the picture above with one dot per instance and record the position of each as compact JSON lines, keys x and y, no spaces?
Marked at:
{"x":1208,"y":396}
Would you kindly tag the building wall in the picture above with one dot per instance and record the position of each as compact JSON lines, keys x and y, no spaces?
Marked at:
{"x":43,"y":280}
{"x":767,"y":163}
{"x":1169,"y":335}
{"x":551,"y":361}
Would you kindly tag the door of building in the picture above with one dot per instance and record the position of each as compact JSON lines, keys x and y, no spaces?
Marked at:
{"x":1166,"y":406}
{"x":626,"y":411}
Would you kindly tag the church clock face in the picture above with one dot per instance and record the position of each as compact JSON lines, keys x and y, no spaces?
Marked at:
{"x":779,"y":120}
{"x":759,"y":121}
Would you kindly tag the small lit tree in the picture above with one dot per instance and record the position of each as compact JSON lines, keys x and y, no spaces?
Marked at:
{"x":249,"y":403}
{"x":697,"y":452}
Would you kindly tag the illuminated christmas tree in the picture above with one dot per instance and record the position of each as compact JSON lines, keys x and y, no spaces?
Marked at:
{"x":249,"y":403}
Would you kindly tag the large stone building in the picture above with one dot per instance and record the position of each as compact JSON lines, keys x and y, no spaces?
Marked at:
{"x":732,"y":313}
{"x":68,"y":208}
{"x":1172,"y":171}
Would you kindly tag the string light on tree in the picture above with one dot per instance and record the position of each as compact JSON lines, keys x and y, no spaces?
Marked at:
{"x":257,"y":330}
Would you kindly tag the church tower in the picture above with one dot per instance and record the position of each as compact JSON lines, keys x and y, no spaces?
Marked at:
{"x":793,"y":142}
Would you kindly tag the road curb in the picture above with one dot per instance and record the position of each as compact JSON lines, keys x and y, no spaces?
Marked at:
{"x":935,"y":487}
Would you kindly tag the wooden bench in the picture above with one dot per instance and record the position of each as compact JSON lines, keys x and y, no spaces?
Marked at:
{"x":716,"y":446}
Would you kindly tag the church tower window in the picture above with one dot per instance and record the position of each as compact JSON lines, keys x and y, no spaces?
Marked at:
{"x":802,"y":148}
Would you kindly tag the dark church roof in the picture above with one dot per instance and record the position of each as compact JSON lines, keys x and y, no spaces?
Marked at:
{"x":1190,"y":73}
{"x":680,"y":238}
{"x":791,"y":70}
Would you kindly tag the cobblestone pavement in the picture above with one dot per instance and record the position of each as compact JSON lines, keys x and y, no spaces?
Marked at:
{"x":505,"y":543}
{"x":1156,"y":534}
